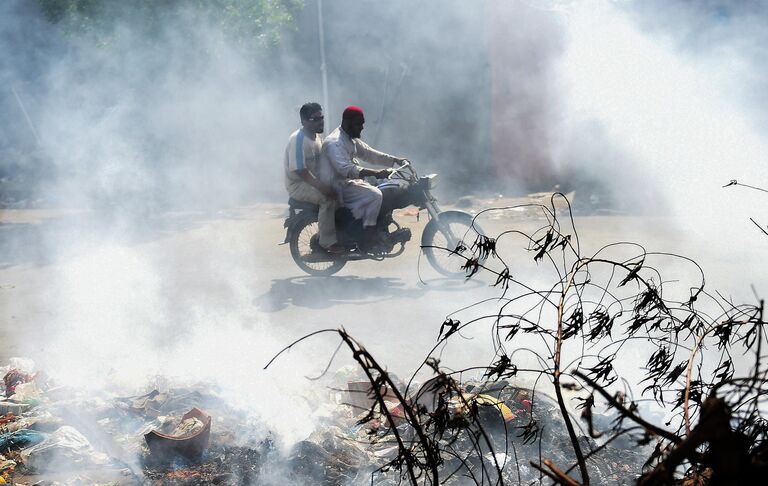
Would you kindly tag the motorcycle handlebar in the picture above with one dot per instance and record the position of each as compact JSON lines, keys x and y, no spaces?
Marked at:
{"x":406,"y":165}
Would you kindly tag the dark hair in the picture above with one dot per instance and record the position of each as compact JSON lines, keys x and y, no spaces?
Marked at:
{"x":309,"y":109}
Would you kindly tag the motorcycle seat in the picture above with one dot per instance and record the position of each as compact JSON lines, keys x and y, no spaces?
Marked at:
{"x":296,"y":204}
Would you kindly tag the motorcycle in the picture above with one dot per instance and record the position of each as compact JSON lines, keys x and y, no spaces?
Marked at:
{"x":446,"y":237}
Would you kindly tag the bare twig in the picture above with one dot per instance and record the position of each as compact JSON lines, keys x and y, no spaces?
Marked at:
{"x":626,"y":413}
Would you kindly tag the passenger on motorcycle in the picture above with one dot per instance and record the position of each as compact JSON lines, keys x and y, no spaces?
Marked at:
{"x":302,"y":159}
{"x":340,"y":169}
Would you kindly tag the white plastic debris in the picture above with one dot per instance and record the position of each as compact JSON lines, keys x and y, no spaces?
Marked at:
{"x":190,"y":426}
{"x":7,"y":406}
{"x":24,"y":365}
{"x":26,"y":392}
{"x":63,"y":449}
{"x":6,"y":463}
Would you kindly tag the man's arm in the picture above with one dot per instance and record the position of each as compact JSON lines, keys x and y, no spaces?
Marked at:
{"x":294,"y":154}
{"x":341,"y":161}
{"x":313,"y":181}
{"x":368,"y":154}
{"x":378,"y":174}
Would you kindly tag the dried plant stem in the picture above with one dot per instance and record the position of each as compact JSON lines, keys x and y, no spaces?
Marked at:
{"x":556,"y":379}
{"x":688,"y":373}
{"x":367,"y":362}
{"x":623,"y":410}
{"x":555,"y":474}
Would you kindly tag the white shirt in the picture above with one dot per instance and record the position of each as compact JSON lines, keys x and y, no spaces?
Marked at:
{"x":338,"y":158}
{"x":302,"y":152}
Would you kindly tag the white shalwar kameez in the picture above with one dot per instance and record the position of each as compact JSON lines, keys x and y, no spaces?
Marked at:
{"x":303,"y":152}
{"x":341,"y":169}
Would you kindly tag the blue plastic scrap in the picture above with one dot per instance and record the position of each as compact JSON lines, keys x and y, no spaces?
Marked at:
{"x":21,"y":438}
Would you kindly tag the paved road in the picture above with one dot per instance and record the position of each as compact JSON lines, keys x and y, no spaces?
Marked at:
{"x":214,"y":291}
{"x":61,"y":275}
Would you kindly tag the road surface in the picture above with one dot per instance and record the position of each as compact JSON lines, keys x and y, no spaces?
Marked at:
{"x":130,"y":297}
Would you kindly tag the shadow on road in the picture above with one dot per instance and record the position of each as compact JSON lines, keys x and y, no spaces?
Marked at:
{"x":324,"y":292}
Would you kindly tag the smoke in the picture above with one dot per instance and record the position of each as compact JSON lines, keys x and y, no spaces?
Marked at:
{"x":170,"y":124}
{"x":130,"y":122}
{"x":122,"y":322}
{"x":677,"y":98}
{"x":607,"y":98}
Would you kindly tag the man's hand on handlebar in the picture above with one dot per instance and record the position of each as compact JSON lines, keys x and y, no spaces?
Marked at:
{"x":378,"y":174}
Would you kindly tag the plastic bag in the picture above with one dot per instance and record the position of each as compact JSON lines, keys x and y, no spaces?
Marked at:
{"x":42,"y":422}
{"x":13,"y":379}
{"x":20,"y":438}
{"x":26,"y":393}
{"x":64,"y":449}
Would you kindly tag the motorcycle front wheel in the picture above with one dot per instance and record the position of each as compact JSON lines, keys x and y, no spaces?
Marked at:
{"x":447,"y":242}
{"x":307,"y":252}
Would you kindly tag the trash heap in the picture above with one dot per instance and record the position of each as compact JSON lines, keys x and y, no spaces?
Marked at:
{"x":50,"y":435}
{"x":519,"y":426}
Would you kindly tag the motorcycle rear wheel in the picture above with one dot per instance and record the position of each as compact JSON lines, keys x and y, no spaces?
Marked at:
{"x":447,"y":243}
{"x":304,"y":244}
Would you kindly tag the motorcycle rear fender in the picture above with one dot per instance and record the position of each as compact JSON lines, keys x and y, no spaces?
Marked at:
{"x":294,"y":216}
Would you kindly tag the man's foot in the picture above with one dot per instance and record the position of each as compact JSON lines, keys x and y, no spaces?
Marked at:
{"x":373,"y":242}
{"x":336,"y":249}
{"x":377,"y":246}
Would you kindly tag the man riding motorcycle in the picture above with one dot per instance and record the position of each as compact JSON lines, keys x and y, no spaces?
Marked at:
{"x":302,"y":159}
{"x":340,"y":169}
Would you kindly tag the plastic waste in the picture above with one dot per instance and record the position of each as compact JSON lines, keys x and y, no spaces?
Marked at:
{"x":20,"y":370}
{"x":6,"y":464}
{"x":41,"y":421}
{"x":63,"y":449}
{"x":327,"y":455}
{"x":7,"y":407}
{"x":187,"y":427}
{"x":14,"y":378}
{"x":27,"y":393}
{"x":20,"y":438}
{"x":149,"y":404}
{"x":25,"y":365}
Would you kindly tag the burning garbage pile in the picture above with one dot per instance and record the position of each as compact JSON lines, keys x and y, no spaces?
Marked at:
{"x":477,"y":431}
{"x":53,"y":435}
{"x":31,"y":436}
{"x":480,"y":431}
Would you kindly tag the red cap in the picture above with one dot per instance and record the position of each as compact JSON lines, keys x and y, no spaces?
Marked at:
{"x":351,"y":111}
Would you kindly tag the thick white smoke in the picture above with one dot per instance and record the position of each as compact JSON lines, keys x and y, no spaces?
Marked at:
{"x":134,"y":128}
{"x":193,"y":123}
{"x":681,"y":116}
